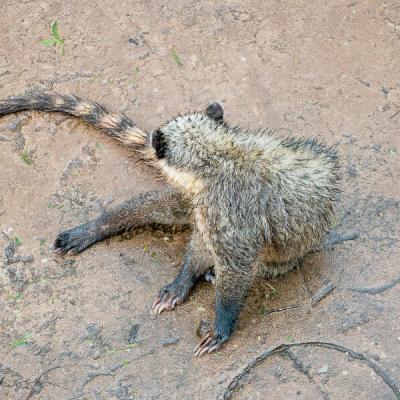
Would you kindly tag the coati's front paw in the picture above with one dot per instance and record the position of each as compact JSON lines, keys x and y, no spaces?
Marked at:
{"x":171,"y":295}
{"x":74,"y":240}
{"x":210,"y":342}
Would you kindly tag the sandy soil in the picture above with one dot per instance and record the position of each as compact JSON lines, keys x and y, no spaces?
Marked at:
{"x":80,"y":327}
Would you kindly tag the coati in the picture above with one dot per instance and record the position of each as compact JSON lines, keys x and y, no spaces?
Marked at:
{"x":257,"y":203}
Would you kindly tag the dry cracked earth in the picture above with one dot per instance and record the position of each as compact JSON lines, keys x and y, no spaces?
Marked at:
{"x":81,"y":327}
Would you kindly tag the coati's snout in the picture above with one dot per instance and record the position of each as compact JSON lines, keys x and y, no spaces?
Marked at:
{"x":159,"y":144}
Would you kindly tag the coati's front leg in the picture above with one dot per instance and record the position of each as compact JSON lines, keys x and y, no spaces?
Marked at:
{"x":232,"y":289}
{"x":196,"y":263}
{"x":165,"y":207}
{"x":235,"y":252}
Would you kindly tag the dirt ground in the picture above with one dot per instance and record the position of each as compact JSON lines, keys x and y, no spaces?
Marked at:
{"x":81,"y":327}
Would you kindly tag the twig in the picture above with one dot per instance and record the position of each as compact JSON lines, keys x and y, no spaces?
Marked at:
{"x":322,"y":293}
{"x":334,"y":238}
{"x":395,"y":114}
{"x":236,"y":382}
{"x":37,"y":385}
{"x":275,"y":310}
{"x":378,"y":289}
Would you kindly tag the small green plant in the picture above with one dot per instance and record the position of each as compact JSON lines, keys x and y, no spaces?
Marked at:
{"x":26,"y":158}
{"x":17,"y":241}
{"x":42,"y":242}
{"x":53,"y":205}
{"x":23,"y":341}
{"x":176,"y":58}
{"x":14,"y":296}
{"x":55,"y":39}
{"x":17,"y":296}
{"x":290,"y":338}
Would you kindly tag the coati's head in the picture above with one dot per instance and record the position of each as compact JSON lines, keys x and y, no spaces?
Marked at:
{"x":181,"y":140}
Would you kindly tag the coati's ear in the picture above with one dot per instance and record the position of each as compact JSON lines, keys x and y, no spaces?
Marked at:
{"x":159,"y":144}
{"x":215,"y":111}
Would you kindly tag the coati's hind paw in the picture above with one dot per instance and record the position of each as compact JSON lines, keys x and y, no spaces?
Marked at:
{"x":74,"y":240}
{"x":171,"y":295}
{"x":210,"y":342}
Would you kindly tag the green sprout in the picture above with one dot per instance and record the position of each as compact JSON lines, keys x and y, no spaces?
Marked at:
{"x":26,"y":158}
{"x":55,"y":39}
{"x":23,"y":341}
{"x":176,"y":58}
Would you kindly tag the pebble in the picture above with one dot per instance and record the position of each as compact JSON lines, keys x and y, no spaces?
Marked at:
{"x":132,"y":334}
{"x":323,"y":369}
{"x":169,"y":340}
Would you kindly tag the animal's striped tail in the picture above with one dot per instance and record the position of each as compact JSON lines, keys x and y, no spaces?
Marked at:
{"x":117,"y":126}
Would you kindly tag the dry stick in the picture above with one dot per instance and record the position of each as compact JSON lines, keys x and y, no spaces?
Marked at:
{"x":378,"y":289}
{"x":284,"y":308}
{"x":322,"y":293}
{"x":37,"y":384}
{"x":334,"y":238}
{"x":282,"y":348}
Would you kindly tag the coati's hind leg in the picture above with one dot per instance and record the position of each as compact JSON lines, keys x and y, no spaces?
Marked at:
{"x":162,"y":207}
{"x":196,"y":263}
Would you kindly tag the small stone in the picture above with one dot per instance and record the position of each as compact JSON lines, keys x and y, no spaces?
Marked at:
{"x":134,"y":41}
{"x":132,"y":334}
{"x":169,"y":340}
{"x":9,"y":251}
{"x":352,"y":170}
{"x":377,"y":147}
{"x":13,"y":126}
{"x":323,"y":369}
{"x":26,"y":259}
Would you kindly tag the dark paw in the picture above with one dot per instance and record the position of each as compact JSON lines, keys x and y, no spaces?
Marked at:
{"x":210,"y":342}
{"x":170,"y":296}
{"x":73,"y":241}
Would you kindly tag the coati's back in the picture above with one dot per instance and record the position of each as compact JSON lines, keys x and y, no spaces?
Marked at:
{"x":291,"y":184}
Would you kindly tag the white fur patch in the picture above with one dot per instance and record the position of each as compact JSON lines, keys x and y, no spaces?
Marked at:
{"x":185,"y":180}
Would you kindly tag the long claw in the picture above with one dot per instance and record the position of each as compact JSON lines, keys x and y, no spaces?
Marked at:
{"x":202,"y":341}
{"x":201,"y":352}
{"x":157,"y":301}
{"x":202,"y":349}
{"x":163,"y":307}
{"x":215,"y":347}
